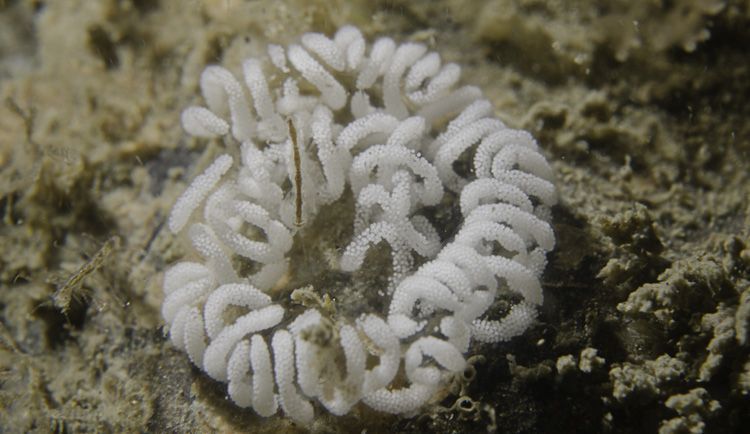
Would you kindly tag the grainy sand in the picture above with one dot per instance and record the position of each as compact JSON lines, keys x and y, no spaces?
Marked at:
{"x":640,"y":109}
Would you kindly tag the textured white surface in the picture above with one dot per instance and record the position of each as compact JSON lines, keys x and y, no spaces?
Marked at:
{"x":397,"y":159}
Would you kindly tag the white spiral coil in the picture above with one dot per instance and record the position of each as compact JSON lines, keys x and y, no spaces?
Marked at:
{"x":395,"y":163}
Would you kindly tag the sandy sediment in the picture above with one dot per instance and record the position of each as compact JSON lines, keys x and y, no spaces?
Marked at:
{"x":639,"y":108}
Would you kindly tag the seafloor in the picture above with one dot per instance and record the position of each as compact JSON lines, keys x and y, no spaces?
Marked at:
{"x":641,"y":107}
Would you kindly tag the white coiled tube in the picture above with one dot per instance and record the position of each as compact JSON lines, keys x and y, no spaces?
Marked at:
{"x":316,"y":132}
